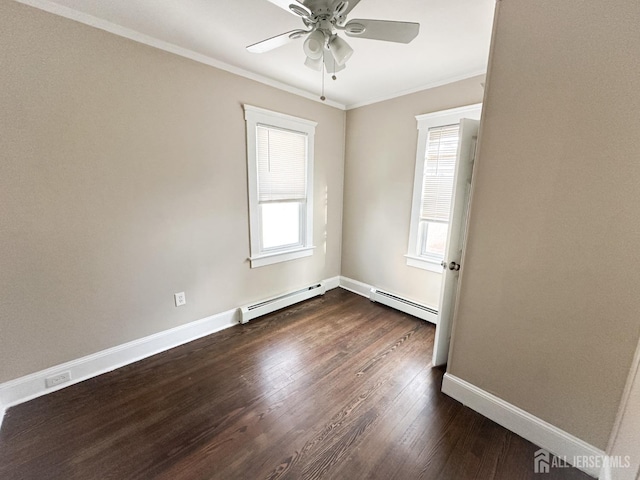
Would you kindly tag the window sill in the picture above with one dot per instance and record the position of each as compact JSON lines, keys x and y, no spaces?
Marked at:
{"x":419,"y":262}
{"x":277,"y":257}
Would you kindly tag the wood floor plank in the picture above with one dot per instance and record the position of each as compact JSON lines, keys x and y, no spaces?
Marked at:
{"x":336,"y":387}
{"x":364,"y":411}
{"x":303,"y":416}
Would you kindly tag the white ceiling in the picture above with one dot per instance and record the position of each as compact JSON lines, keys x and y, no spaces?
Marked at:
{"x":453,"y":42}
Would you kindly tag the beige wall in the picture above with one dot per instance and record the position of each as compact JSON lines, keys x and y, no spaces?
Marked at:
{"x":123,"y":181}
{"x":548,"y":314}
{"x":379,"y":173}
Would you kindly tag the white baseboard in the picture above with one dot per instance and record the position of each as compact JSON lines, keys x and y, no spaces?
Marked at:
{"x":32,"y":386}
{"x":529,"y":427}
{"x":354,"y":286}
{"x":332,"y":283}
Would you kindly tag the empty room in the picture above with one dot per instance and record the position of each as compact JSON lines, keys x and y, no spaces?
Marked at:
{"x":319,"y":239}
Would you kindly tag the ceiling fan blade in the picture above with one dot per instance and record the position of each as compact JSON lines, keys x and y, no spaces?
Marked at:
{"x":298,"y":9}
{"x":400,"y":32}
{"x":277,"y":41}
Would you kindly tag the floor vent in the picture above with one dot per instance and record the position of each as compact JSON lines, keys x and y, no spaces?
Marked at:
{"x":404,"y":305}
{"x":267,"y":306}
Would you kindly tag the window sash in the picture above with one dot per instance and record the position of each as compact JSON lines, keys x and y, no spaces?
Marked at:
{"x":302,"y":213}
{"x":423,"y":240}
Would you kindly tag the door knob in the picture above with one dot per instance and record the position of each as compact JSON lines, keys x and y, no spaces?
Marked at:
{"x":454,"y":266}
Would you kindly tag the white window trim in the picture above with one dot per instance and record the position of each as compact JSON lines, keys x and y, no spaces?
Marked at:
{"x":255,"y":116}
{"x":423,"y":263}
{"x":271,"y":258}
{"x":425,"y":122}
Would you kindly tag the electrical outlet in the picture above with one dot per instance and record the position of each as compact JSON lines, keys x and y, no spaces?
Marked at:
{"x":180,"y":299}
{"x":56,"y":380}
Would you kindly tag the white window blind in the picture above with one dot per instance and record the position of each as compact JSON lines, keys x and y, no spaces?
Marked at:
{"x":439,"y":170}
{"x":282,"y":163}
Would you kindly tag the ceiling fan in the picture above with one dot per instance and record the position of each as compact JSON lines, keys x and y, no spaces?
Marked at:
{"x":323,"y":46}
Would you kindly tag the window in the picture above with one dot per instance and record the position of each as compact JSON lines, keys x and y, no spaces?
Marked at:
{"x":280,"y":174}
{"x":433,"y":185}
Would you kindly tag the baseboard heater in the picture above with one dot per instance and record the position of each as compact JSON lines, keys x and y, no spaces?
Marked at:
{"x":404,"y":305}
{"x":250,"y":312}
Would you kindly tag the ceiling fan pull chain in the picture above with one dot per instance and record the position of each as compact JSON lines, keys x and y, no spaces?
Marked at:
{"x":322,"y":97}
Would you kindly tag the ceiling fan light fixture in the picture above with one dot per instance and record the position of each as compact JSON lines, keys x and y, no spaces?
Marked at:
{"x":314,"y":64}
{"x":340,"y":50}
{"x":314,"y":45}
{"x":330,"y":63}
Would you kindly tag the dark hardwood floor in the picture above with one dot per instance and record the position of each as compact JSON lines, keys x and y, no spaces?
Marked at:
{"x":336,"y":387}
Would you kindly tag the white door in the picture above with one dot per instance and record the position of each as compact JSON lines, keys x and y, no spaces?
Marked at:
{"x":455,"y":237}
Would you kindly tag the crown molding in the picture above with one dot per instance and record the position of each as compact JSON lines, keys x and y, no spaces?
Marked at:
{"x":136,"y":36}
{"x":402,"y":93}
